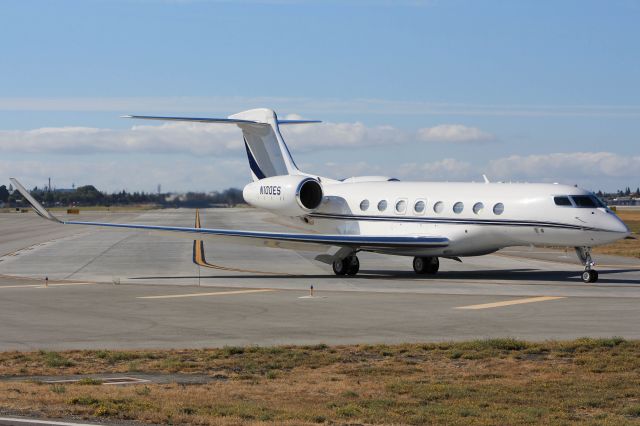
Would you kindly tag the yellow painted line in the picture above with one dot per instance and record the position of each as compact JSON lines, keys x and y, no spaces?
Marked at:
{"x":511,"y":302}
{"x":199,"y":257}
{"x":218,"y":293}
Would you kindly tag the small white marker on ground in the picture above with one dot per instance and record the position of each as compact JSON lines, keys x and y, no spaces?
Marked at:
{"x":311,"y":296}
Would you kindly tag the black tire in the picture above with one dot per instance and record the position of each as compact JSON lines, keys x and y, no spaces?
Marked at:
{"x":340,"y":266}
{"x":433,"y":264}
{"x":353,"y":265}
{"x":419,"y":265}
{"x":590,"y":276}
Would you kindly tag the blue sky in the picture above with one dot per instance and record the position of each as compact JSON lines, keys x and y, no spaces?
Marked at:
{"x":428,"y":90}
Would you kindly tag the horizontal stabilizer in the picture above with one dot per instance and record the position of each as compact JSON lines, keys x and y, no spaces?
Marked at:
{"x":298,"y":121}
{"x":217,"y":120}
{"x":194,"y":119}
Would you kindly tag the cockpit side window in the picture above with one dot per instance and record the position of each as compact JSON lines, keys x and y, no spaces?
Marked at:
{"x":562,"y":201}
{"x":584,"y":201}
{"x":599,"y":202}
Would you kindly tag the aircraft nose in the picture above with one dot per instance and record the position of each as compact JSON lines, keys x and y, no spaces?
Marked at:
{"x":617,"y":225}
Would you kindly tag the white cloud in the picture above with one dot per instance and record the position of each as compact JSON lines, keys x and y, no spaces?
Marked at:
{"x":566,"y":166}
{"x":170,"y":137}
{"x":192,"y":138}
{"x":345,"y":135}
{"x":445,"y":169}
{"x":600,"y":170}
{"x":596,"y":170}
{"x":448,"y":168}
{"x":453,"y":133}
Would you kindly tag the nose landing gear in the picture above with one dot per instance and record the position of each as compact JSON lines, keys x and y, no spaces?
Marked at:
{"x":589,"y":275}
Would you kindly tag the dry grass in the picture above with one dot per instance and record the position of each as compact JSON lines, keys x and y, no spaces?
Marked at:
{"x":499,"y":381}
{"x":630,"y":248}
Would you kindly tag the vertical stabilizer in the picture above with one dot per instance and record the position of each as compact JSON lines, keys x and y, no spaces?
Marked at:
{"x":266,"y":150}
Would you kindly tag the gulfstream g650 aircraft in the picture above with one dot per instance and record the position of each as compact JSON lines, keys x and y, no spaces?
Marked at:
{"x":426,"y":220}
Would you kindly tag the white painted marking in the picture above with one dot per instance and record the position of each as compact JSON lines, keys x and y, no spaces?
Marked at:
{"x":22,"y":286}
{"x":511,"y":302}
{"x":219,"y":293}
{"x":312,"y":297}
{"x":42,"y":285}
{"x":68,"y":284}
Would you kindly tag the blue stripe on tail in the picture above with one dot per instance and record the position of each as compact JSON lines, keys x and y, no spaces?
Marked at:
{"x":253,"y":164}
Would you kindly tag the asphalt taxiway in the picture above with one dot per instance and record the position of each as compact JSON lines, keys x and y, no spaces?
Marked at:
{"x":127,"y":289}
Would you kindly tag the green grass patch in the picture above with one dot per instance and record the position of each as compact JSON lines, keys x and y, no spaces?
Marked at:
{"x":55,"y":360}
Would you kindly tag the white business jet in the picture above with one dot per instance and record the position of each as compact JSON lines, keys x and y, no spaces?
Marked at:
{"x":426,"y":220}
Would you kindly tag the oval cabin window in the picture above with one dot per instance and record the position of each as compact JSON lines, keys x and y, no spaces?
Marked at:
{"x":458,"y":207}
{"x":382,"y":205}
{"x":498,"y":209}
{"x":419,"y":207}
{"x":438,"y":207}
{"x":364,"y":205}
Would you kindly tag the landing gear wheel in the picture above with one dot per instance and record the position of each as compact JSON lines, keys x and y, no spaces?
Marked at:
{"x":340,"y":266}
{"x":590,"y":276}
{"x":419,"y":265}
{"x":426,"y":265}
{"x":353,"y":265}
{"x":433,"y":265}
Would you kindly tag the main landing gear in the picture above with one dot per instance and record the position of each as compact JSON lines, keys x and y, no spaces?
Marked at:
{"x":426,"y":265}
{"x":350,"y":265}
{"x":589,"y":275}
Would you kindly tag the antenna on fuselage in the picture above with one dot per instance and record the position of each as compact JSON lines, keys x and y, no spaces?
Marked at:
{"x":486,"y":179}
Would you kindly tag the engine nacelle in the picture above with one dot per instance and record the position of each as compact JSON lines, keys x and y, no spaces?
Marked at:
{"x":290,"y":195}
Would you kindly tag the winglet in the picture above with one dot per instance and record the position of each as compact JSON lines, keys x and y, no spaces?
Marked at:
{"x":41,"y":211}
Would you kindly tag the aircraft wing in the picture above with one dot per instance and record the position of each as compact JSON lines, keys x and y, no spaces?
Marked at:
{"x":286,"y":240}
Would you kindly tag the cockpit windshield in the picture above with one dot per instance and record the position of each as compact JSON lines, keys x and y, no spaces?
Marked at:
{"x":579,"y":201}
{"x":584,"y":201}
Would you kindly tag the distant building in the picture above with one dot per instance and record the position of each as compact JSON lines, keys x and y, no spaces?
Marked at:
{"x":625,"y":201}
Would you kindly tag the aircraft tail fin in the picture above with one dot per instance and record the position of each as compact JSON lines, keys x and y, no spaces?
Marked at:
{"x":267,"y":152}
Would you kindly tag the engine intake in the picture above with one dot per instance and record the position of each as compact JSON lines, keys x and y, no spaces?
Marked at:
{"x":309,"y":194}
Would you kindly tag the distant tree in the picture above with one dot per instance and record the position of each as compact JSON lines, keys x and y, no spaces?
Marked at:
{"x":627,"y":191}
{"x":4,"y":194}
{"x":88,"y":194}
{"x":638,"y":190}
